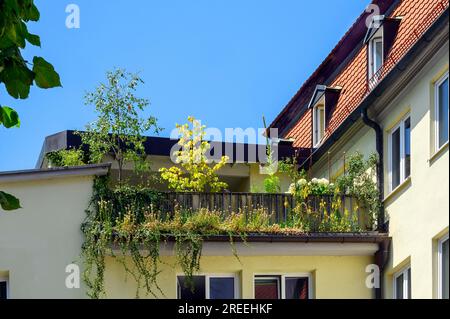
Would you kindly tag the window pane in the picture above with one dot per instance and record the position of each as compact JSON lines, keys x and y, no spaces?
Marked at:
{"x":395,"y":151}
{"x":399,"y":287}
{"x":445,"y":278}
{"x":2,"y":290}
{"x":296,"y":288}
{"x":321,"y":122}
{"x":378,"y":54}
{"x":407,"y":148}
{"x":443,"y":113}
{"x":267,"y":288}
{"x":409,"y":283}
{"x":193,"y":291}
{"x":221,"y":288}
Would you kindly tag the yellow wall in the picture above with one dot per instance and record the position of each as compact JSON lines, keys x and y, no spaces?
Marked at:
{"x":338,"y":277}
{"x":418,"y":209}
{"x":38,"y":241}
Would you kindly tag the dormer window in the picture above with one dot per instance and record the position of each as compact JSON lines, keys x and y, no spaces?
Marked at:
{"x":322,"y":103}
{"x":379,"y":39}
{"x":319,"y":122}
{"x":375,"y":55}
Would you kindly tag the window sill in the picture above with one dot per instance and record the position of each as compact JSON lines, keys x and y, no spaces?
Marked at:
{"x":405,"y":184}
{"x":438,"y":153}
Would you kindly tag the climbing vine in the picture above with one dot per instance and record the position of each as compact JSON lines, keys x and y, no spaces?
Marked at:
{"x":129,"y":223}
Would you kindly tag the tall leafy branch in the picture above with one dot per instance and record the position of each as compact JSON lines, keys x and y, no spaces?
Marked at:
{"x":120,"y":126}
{"x":16,"y":73}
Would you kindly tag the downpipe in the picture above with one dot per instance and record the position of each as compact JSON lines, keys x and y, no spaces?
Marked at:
{"x":382,"y":255}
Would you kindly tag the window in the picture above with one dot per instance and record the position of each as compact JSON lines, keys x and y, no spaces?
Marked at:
{"x":375,"y":55}
{"x":443,"y":278}
{"x":441,"y":111}
{"x":281,"y":287}
{"x":400,"y":153}
{"x":319,"y":122}
{"x":267,"y":288}
{"x":207,"y":287}
{"x":402,"y":284}
{"x":3,"y":289}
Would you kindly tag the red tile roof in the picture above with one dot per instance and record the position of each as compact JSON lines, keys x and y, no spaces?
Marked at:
{"x":418,"y":16}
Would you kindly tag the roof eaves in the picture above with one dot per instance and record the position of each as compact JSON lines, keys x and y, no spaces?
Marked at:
{"x":59,"y":172}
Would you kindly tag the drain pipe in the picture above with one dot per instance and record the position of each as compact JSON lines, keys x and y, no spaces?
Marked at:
{"x":380,"y":166}
{"x":382,"y":255}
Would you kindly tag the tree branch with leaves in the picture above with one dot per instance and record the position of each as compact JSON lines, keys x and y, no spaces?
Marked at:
{"x":15,"y":72}
{"x":120,"y":127}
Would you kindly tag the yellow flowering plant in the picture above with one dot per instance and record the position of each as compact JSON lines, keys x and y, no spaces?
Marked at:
{"x":193,"y":171}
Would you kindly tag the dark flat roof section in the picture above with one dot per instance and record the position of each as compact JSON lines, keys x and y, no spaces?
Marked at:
{"x":162,"y":146}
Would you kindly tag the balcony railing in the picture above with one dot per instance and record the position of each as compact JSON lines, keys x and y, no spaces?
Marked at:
{"x":280,"y":207}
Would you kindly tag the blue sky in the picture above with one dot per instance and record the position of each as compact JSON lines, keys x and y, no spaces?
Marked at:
{"x":224,"y":62}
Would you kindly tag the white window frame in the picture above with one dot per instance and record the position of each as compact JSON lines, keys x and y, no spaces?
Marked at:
{"x":440,"y":270}
{"x":436,"y":112}
{"x":403,"y":178}
{"x":282,"y":278}
{"x":207,"y":283}
{"x":316,"y":139}
{"x":377,"y":37}
{"x":406,"y":280}
{"x":372,"y":56}
{"x":5,"y":279}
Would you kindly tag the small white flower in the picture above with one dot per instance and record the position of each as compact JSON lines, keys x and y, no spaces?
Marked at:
{"x":314,"y":180}
{"x":291,"y":189}
{"x":302,"y":182}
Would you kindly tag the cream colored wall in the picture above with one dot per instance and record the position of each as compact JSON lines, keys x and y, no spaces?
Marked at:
{"x":418,"y":209}
{"x":358,"y":139}
{"x":338,"y":277}
{"x":38,"y":241}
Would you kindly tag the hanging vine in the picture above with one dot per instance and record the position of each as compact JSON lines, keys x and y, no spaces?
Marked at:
{"x":127,"y":224}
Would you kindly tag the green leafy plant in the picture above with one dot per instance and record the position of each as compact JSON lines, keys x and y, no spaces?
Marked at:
{"x":289,"y":166}
{"x":272,"y":184}
{"x":15,"y":72}
{"x":359,"y":181}
{"x":194,"y":172}
{"x":272,"y":181}
{"x":119,"y":129}
{"x":64,"y":158}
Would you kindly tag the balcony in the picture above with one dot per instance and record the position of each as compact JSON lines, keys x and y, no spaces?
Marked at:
{"x":261,"y":212}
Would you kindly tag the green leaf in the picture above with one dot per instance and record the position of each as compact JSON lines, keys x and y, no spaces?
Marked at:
{"x":32,"y":13}
{"x":18,"y":79}
{"x":17,"y":34}
{"x":9,"y":202}
{"x":34,"y":39}
{"x":13,"y":5}
{"x":9,"y":117}
{"x":45,"y":75}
